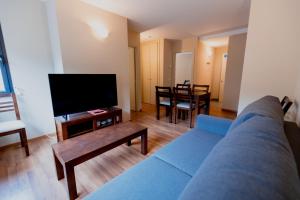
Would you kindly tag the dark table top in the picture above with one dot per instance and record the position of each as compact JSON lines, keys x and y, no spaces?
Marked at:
{"x":85,"y":144}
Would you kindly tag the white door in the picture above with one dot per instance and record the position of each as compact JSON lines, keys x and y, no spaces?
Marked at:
{"x":132,"y":78}
{"x":183,"y":67}
{"x":222,"y":79}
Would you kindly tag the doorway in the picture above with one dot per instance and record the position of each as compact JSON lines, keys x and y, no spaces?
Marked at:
{"x":132,"y":78}
{"x":183,"y":67}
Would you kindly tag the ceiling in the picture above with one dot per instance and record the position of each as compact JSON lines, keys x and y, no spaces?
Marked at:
{"x":177,"y":19}
{"x":217,"y":42}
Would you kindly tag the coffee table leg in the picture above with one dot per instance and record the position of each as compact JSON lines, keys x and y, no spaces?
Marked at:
{"x":144,"y":143}
{"x":129,"y":143}
{"x":70,"y":176}
{"x":58,"y":167}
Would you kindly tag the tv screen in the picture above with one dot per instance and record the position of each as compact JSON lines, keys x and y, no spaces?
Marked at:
{"x":73,"y":93}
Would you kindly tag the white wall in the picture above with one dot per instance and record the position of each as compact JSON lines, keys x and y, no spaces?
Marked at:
{"x":296,"y":104}
{"x":168,"y":63}
{"x":272,"y":54}
{"x":82,"y":52}
{"x":24,"y":26}
{"x":234,"y":70}
{"x":54,"y":35}
{"x":204,"y":66}
{"x":134,"y":41}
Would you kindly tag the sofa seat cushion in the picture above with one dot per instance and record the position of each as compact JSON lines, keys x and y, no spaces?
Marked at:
{"x":268,"y":106}
{"x":148,"y":180}
{"x":253,"y":162}
{"x":188,"y":151}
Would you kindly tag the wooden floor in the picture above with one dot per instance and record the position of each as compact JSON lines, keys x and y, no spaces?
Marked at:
{"x":34,"y":177}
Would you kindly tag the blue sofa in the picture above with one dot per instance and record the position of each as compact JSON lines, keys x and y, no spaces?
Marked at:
{"x":248,"y":158}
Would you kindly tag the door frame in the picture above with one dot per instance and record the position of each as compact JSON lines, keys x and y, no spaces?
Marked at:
{"x":224,"y":56}
{"x":135,"y":77}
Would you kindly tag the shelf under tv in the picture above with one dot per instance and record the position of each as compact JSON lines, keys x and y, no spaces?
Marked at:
{"x":81,"y":123}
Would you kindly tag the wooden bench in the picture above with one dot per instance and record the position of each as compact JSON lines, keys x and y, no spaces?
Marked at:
{"x":74,"y":151}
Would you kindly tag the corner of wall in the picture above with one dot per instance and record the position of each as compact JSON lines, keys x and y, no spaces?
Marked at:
{"x":50,"y":6}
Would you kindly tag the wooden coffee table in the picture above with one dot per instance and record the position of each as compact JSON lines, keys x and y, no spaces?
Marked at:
{"x":74,"y":151}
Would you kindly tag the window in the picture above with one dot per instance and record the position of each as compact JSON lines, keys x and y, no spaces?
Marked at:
{"x":5,"y":79}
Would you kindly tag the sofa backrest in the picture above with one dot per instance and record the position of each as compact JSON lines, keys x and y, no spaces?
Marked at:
{"x":254,"y":161}
{"x":268,"y":106}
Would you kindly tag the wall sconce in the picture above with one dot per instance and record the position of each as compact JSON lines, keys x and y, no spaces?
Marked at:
{"x":99,"y":30}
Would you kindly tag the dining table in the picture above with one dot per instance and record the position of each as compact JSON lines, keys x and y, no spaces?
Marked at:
{"x":200,"y":95}
{"x":197,"y":96}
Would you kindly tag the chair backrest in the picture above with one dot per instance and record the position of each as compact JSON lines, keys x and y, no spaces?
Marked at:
{"x":286,"y":104}
{"x":182,"y":94}
{"x":165,"y":92}
{"x":186,"y":82}
{"x":200,"y":88}
{"x":283,"y":101}
{"x":8,"y":103}
{"x":185,"y":86}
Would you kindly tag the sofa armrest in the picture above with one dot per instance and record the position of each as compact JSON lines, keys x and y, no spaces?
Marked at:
{"x":212,"y":124}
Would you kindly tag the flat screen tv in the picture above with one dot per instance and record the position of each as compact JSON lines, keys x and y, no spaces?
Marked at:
{"x":74,"y":93}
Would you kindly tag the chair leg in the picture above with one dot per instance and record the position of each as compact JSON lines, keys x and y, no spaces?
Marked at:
{"x":157,"y":112}
{"x":191,"y":118}
{"x":183,"y":114}
{"x":167,"y":111}
{"x":21,"y":139}
{"x":24,"y":139}
{"x":170,"y":113}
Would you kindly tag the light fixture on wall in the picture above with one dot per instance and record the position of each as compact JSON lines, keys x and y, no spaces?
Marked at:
{"x":98,"y":29}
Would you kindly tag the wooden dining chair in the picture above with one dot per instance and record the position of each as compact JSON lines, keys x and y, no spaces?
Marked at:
{"x":8,"y":103}
{"x":164,"y":97}
{"x":184,"y":101}
{"x":202,"y":102}
{"x":186,"y":82}
{"x":201,"y":88}
{"x":286,"y":104}
{"x":182,"y":113}
{"x":183,"y":86}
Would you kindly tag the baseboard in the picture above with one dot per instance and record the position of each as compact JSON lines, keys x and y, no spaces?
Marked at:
{"x":16,"y":144}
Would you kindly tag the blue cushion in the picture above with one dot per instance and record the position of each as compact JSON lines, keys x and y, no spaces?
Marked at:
{"x":268,"y":106}
{"x":213,"y":124}
{"x":148,"y":180}
{"x":188,"y":151}
{"x":253,"y":162}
